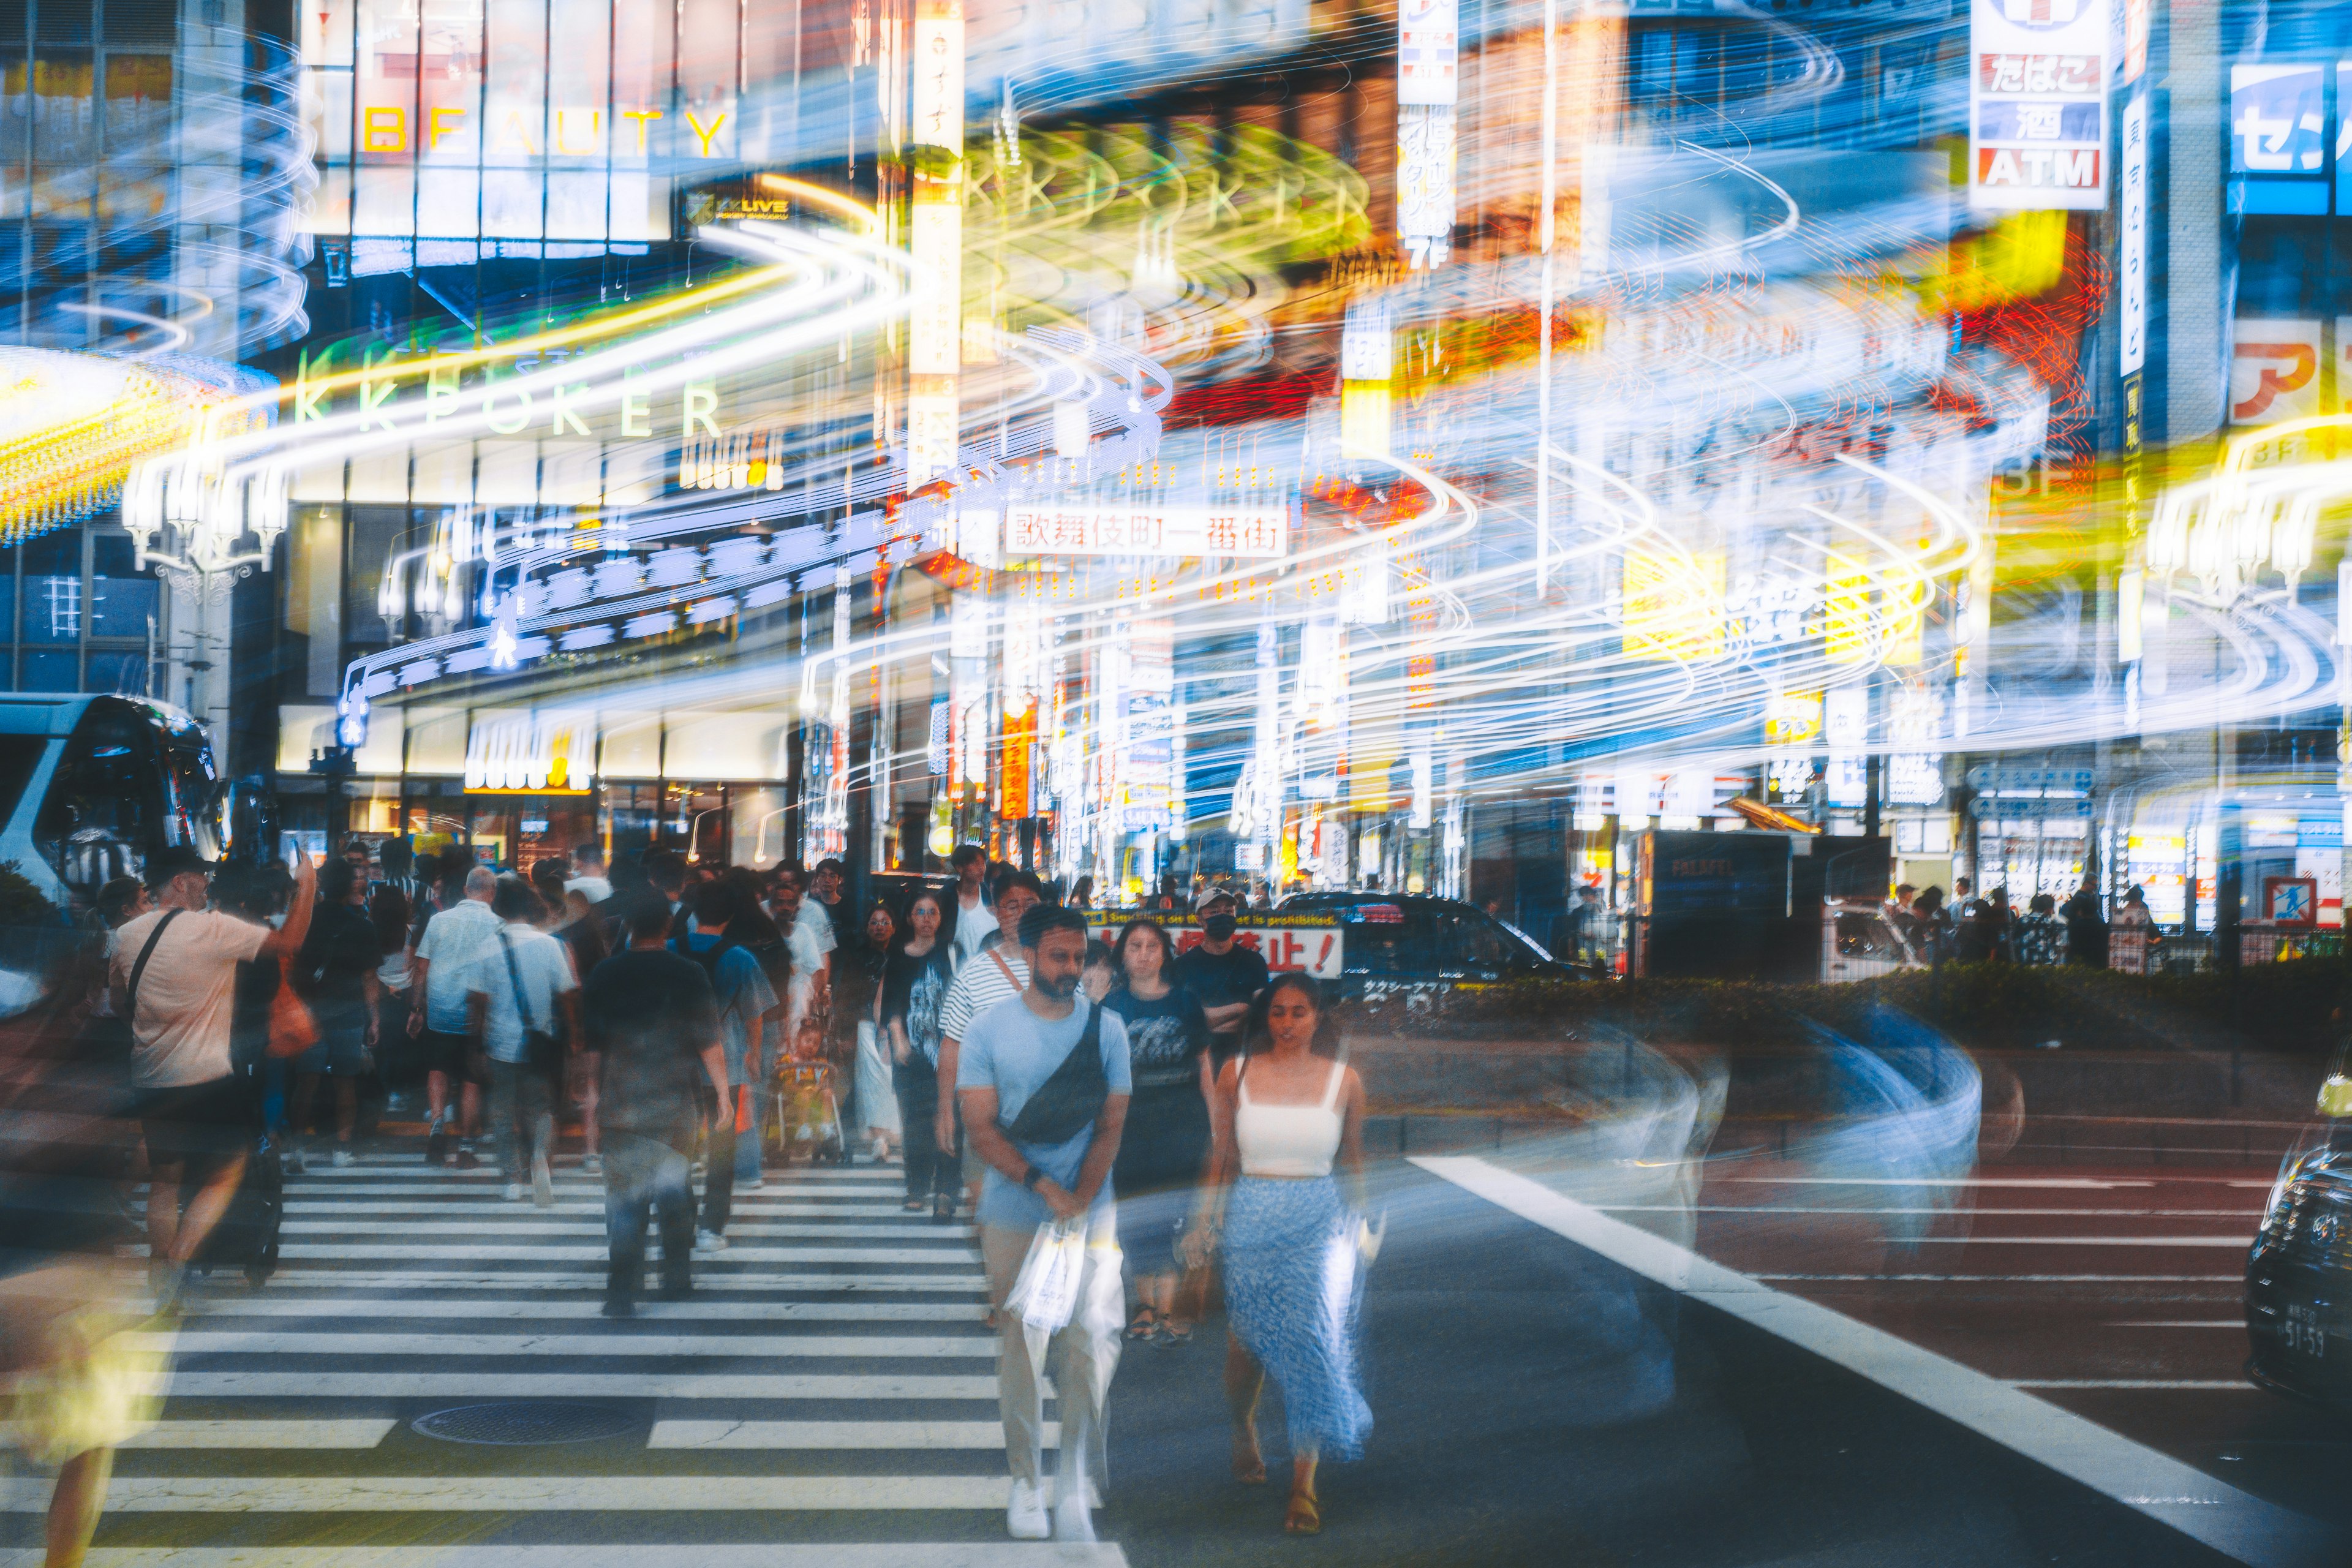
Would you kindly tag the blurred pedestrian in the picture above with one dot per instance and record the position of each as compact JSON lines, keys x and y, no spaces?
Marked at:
{"x":588,"y":879}
{"x":788,"y":893}
{"x":2041,"y":937}
{"x":173,"y":975}
{"x":2086,"y":926}
{"x":1931,"y":925}
{"x":337,"y":970}
{"x":914,"y":987}
{"x":743,"y":1000}
{"x":522,"y":1004}
{"x":569,"y":920}
{"x":1289,"y":1240}
{"x":972,"y":918}
{"x":400,"y":870}
{"x":1223,"y":974}
{"x":1082,"y":893}
{"x":1100,"y":975}
{"x":437,"y":1020}
{"x":1043,"y":1082}
{"x":1166,"y":1142}
{"x":2132,"y":937}
{"x":654,"y":1027}
{"x":858,"y":968}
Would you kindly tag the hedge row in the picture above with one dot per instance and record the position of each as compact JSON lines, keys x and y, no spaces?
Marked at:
{"x":2295,"y":1007}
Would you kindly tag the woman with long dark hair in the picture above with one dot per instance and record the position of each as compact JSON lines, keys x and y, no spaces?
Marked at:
{"x":1167,"y":1137}
{"x":859,"y":966}
{"x":1284,"y":1111}
{"x":914,"y":984}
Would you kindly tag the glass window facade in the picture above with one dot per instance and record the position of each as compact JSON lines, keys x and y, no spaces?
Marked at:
{"x":74,"y":616}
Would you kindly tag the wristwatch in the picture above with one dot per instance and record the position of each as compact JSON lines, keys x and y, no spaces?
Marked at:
{"x":1031,"y":1177}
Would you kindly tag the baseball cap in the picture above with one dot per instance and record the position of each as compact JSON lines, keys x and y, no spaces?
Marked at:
{"x":171,"y":861}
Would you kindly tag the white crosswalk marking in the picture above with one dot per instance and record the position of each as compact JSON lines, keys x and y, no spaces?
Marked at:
{"x":841,"y":1337}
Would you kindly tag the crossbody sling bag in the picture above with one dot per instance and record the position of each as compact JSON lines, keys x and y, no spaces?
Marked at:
{"x":542,"y":1050}
{"x":1071,"y":1100}
{"x":130,"y":991}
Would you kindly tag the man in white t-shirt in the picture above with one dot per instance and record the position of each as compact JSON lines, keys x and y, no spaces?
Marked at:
{"x":173,"y":974}
{"x":438,"y":1019}
{"x":588,"y":879}
{"x":975,"y":920}
{"x":518,"y":983}
{"x":809,"y":942}
{"x":1000,"y":972}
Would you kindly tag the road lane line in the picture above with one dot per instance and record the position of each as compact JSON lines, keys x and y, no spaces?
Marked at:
{"x":827,"y":1435}
{"x":2237,"y":1323}
{"x":740,"y":1385}
{"x":358,"y":1432}
{"x":1930,"y":1209}
{"x":2242,"y":1243}
{"x":2084,"y":1184}
{"x":2199,"y":1506}
{"x":925,"y":1347}
{"x":2231,"y":1384}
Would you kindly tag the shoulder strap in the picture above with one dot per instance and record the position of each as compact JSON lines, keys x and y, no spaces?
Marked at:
{"x":1009,"y":978}
{"x":1331,"y":1090}
{"x":514,"y":977}
{"x":130,"y":1013}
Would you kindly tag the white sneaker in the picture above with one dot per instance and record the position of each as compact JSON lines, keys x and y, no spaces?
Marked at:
{"x":709,"y":1241}
{"x":1024,"y":1516}
{"x":753,"y":1186}
{"x":1072,"y":1521}
{"x":345,"y":1159}
{"x":514,"y":1192}
{"x":592,"y":1165}
{"x":543,"y":1184}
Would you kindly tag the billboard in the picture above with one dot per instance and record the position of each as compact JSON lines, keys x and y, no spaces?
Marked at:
{"x":2037,"y":105}
{"x":2273,"y":370}
{"x":2278,"y":143}
{"x":449,"y":132}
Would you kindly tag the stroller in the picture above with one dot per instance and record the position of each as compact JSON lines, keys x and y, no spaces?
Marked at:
{"x":808,"y":1114}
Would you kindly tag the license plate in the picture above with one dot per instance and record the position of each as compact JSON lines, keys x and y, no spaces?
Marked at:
{"x":2301,"y":1333}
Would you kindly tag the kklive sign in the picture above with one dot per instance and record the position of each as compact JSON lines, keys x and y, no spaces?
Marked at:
{"x":1314,"y":948}
{"x":1257,"y":533}
{"x":2038,"y":104}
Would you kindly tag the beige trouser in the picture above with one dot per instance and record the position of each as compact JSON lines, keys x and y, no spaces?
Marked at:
{"x":1081,"y":1366}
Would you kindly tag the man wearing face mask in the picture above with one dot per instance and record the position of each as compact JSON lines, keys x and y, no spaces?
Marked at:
{"x":1223,"y":975}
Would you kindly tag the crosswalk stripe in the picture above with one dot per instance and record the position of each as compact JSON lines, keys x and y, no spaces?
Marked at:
{"x":909,"y":1347}
{"x":525,"y":1222}
{"x":340,"y":1384}
{"x":778,"y":1555}
{"x":420,"y":1209}
{"x":583,"y":1276}
{"x":469,"y":1188}
{"x":829,"y":1435}
{"x":260,"y":1432}
{"x":522,"y":1494}
{"x":365,"y":1309}
{"x":305,"y":1251}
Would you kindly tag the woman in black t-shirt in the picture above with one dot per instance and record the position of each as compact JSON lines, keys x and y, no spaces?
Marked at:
{"x":914,"y":984}
{"x":1166,"y":1142}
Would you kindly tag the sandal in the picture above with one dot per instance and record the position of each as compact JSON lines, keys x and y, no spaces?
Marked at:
{"x":1305,"y":1517}
{"x":1173,"y":1338}
{"x":1145,"y":1325}
{"x":914,"y":1205}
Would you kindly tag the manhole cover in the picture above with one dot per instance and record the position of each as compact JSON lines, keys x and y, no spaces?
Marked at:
{"x":525,"y":1422}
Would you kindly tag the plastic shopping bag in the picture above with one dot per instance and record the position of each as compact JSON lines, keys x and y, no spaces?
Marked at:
{"x":1045,"y":1293}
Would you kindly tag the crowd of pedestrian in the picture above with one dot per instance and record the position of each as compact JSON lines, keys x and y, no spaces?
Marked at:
{"x":1967,"y":928}
{"x":1179,"y":1112}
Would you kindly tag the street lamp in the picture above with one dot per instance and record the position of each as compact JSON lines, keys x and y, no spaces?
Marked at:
{"x":191,"y":521}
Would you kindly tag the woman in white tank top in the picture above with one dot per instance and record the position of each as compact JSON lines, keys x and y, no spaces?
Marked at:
{"x":1284,"y":1111}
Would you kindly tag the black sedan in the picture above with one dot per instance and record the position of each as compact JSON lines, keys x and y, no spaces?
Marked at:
{"x":1408,"y":940}
{"x":2299,"y":1280}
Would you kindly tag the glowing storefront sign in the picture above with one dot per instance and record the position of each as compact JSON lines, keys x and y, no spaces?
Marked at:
{"x":2038,"y":104}
{"x":448,"y":130}
{"x":1256,"y":532}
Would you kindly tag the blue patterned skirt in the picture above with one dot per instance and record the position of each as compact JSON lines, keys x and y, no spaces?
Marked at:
{"x":1291,"y":1277}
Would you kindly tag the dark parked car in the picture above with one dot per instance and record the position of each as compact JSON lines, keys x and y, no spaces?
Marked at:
{"x":2299,"y":1278}
{"x":1397,"y":939}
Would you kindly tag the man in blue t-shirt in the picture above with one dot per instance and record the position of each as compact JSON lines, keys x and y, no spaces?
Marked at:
{"x":1011,"y":1054}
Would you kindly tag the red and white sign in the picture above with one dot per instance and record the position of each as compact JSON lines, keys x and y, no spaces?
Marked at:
{"x":1315,"y":949}
{"x":2273,"y":370}
{"x":1257,"y":533}
{"x":2038,"y":104}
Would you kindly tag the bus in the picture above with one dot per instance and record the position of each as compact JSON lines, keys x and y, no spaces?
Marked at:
{"x":91,"y":785}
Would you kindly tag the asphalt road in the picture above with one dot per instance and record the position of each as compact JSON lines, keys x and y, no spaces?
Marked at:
{"x":827,"y":1399}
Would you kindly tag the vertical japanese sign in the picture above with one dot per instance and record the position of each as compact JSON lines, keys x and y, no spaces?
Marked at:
{"x":935,"y":237}
{"x":2037,"y":105}
{"x":1428,"y":67}
{"x":2133,"y":263}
